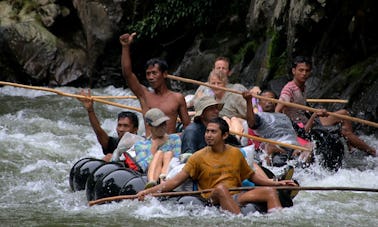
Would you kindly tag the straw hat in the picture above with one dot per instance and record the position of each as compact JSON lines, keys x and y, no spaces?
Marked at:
{"x":205,"y":102}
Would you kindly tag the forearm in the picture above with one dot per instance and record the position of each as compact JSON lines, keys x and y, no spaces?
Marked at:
{"x":101,"y":135}
{"x":168,"y":185}
{"x":130,"y":77}
{"x":310,"y":122}
{"x":126,"y":61}
{"x":250,"y":114}
{"x":279,"y":108}
{"x":263,"y":181}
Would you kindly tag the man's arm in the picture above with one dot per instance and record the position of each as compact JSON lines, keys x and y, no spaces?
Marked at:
{"x":279,"y":108}
{"x":166,"y":186}
{"x":101,"y":135}
{"x":310,"y":122}
{"x":250,"y":114}
{"x":130,"y":77}
{"x":262,"y":180}
{"x":183,"y":112}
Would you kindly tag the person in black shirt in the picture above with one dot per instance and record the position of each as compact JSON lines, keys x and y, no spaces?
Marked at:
{"x":127,"y":122}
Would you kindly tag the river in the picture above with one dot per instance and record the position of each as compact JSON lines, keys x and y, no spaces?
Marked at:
{"x":43,"y":134}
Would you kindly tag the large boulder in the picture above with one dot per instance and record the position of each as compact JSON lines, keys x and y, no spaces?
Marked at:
{"x":56,"y":44}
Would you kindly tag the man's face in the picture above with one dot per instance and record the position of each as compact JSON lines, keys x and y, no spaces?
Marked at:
{"x":154,"y":76}
{"x":301,"y":72}
{"x":213,"y":134}
{"x":125,"y":125}
{"x":210,"y":112}
{"x":267,"y":106}
{"x":222,"y":66}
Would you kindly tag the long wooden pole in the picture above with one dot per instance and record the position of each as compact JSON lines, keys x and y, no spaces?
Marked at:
{"x":188,"y":193}
{"x":260,"y":139}
{"x":295,"y":105}
{"x":70,"y":95}
{"x":97,"y":99}
{"x":307,"y":100}
{"x":328,"y":100}
{"x":115,"y":97}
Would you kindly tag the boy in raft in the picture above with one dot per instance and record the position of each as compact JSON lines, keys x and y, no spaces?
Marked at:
{"x":155,"y":153}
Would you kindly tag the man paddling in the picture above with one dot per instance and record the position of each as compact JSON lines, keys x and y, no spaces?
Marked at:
{"x":127,"y":122}
{"x":294,"y":91}
{"x":275,"y":126}
{"x":171,"y":103}
{"x":221,"y":166}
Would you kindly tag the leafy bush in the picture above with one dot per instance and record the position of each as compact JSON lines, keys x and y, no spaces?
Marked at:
{"x":162,"y":15}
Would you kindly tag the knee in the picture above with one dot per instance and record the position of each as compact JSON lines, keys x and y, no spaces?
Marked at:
{"x":271,"y":192}
{"x":168,"y":154}
{"x":220,"y":190}
{"x":342,"y":112}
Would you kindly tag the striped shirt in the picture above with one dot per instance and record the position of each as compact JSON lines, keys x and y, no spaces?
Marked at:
{"x":292,"y":93}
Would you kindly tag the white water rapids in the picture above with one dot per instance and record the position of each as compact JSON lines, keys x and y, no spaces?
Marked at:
{"x":42,"y":135}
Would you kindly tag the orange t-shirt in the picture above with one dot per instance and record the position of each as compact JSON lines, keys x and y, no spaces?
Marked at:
{"x":210,"y":168}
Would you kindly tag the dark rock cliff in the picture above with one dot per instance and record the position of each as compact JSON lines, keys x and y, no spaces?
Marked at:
{"x":56,"y":42}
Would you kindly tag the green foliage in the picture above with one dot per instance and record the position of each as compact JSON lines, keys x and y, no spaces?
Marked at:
{"x":165,"y":14}
{"x":354,"y":72}
{"x":26,"y":6}
{"x":22,"y":9}
{"x":277,"y":53}
{"x":249,"y":47}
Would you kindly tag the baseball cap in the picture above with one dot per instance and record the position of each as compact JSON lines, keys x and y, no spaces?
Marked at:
{"x":155,"y":117}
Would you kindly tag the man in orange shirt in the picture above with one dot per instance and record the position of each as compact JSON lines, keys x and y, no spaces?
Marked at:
{"x":221,"y":166}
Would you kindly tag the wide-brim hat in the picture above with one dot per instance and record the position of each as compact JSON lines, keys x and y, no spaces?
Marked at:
{"x":205,"y":102}
{"x":155,"y":117}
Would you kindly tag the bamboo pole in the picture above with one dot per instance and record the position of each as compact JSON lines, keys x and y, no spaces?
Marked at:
{"x":260,"y":139}
{"x":294,"y":105}
{"x":328,"y":100}
{"x":97,"y":99}
{"x":70,"y":95}
{"x":115,"y":97}
{"x":188,"y":193}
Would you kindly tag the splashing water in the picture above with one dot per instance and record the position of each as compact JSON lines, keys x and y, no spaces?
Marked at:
{"x":42,"y":135}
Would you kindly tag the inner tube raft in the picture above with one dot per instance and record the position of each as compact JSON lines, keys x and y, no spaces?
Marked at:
{"x":107,"y":179}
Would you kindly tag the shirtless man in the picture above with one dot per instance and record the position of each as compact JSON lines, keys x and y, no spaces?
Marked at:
{"x":171,"y":103}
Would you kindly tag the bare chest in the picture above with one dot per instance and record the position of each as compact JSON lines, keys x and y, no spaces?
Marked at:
{"x":168,"y":103}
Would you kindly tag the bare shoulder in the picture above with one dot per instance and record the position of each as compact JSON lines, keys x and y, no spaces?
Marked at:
{"x":178,"y":96}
